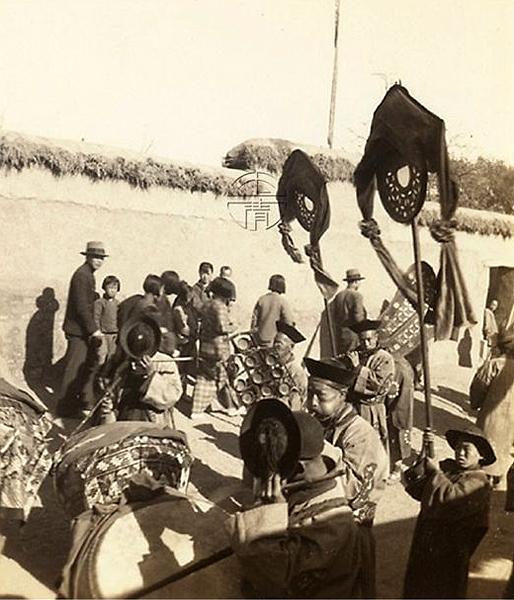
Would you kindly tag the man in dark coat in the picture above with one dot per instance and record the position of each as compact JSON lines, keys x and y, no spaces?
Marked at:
{"x":453,"y":519}
{"x":348,"y":305}
{"x":81,"y":333}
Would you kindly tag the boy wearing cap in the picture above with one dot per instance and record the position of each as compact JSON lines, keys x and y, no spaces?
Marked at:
{"x":299,"y":540}
{"x":80,"y":331}
{"x":453,"y":519}
{"x":283,"y":344}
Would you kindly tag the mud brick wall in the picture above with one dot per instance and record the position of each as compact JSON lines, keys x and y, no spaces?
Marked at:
{"x":47,"y":221}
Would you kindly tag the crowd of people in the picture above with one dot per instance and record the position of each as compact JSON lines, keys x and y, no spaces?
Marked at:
{"x":349,"y":416}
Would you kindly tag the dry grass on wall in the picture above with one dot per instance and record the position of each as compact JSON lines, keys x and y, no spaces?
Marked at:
{"x":270,"y":155}
{"x":472,"y":222}
{"x":18,"y":153}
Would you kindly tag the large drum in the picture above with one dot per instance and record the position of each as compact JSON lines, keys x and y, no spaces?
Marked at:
{"x":130,"y":551}
{"x":95,"y":467}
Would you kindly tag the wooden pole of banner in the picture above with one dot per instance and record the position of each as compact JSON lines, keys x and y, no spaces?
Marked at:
{"x":424,"y":349}
{"x":333,"y":94}
{"x":330,"y":140}
{"x":330,"y":321}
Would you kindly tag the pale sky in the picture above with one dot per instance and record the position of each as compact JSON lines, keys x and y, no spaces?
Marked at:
{"x":189,"y":79}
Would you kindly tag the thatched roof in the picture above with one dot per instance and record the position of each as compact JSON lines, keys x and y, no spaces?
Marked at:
{"x":270,"y":154}
{"x":99,"y":163}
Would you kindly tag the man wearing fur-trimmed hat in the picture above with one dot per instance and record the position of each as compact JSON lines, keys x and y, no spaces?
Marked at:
{"x":453,"y":518}
{"x":375,"y":375}
{"x":348,"y":305}
{"x":299,"y":539}
{"x":81,"y":333}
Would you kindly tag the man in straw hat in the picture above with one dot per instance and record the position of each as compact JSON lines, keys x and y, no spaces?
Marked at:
{"x":492,"y":393}
{"x":81,"y":333}
{"x":361,"y":452}
{"x":453,"y":518}
{"x":300,"y":539}
{"x":348,"y":305}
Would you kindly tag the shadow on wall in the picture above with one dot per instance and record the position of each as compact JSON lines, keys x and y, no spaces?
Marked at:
{"x":464,"y":348}
{"x":40,"y":373}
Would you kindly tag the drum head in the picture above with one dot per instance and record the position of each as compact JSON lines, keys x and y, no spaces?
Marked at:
{"x":138,"y":547}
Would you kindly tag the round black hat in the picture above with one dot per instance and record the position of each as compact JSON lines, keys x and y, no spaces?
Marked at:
{"x":476,"y":436}
{"x":223,"y":287}
{"x":366,"y":325}
{"x":331,"y":370}
{"x":249,"y":443}
{"x":292,"y":333}
{"x":140,"y":336}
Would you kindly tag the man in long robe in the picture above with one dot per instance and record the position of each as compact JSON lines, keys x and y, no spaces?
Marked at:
{"x":492,"y":393}
{"x":375,"y":374}
{"x":399,"y":409}
{"x":453,"y":519}
{"x":362,"y":454}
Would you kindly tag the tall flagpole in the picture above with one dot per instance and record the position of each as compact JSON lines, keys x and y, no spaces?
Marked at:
{"x":333,"y":95}
{"x":429,"y":446}
{"x":330,"y":139}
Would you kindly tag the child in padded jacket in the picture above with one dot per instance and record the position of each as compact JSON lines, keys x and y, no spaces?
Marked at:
{"x":453,"y":519}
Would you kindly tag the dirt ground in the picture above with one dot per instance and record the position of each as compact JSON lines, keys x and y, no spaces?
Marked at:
{"x":32,"y":557}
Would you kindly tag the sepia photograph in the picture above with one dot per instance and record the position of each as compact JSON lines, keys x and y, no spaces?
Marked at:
{"x":257,"y":299}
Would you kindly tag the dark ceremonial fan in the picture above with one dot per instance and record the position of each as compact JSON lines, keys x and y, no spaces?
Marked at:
{"x":402,"y":200}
